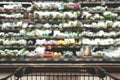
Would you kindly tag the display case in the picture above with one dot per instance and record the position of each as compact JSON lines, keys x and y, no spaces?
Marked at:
{"x":54,"y":34}
{"x":82,"y":31}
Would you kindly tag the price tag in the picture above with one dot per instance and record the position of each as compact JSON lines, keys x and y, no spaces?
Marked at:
{"x":38,"y":59}
{"x":77,"y":59}
{"x":45,"y":59}
{"x":71,"y":46}
{"x":20,"y":59}
{"x":32,"y":59}
{"x":79,"y":6}
{"x":56,"y":59}
{"x":95,"y":59}
{"x":102,"y":2}
{"x":77,"y":46}
{"x":50,"y":20}
{"x":3,"y":11}
{"x":2,"y":59}
{"x":65,"y":59}
{"x":113,"y":60}
{"x":2,"y":19}
{"x":6,"y":19}
{"x":70,"y":0}
{"x":13,"y":59}
{"x":49,"y":47}
{"x":81,"y":59}
{"x":27,"y":59}
{"x":9,"y":19}
{"x":87,"y":59}
{"x":100,"y":59}
{"x":59,"y":46}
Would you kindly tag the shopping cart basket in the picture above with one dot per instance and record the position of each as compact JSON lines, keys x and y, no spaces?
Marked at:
{"x":28,"y":73}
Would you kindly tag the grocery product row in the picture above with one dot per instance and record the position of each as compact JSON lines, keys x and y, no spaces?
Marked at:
{"x":41,"y":52}
{"x":15,"y":7}
{"x":86,"y":12}
{"x":72,"y":41}
{"x":55,"y":6}
{"x":100,"y":8}
{"x":62,"y":15}
{"x":22,"y":7}
{"x":108,"y":24}
{"x":56,"y":15}
{"x":15,"y":42}
{"x":51,"y":34}
{"x":109,"y":15}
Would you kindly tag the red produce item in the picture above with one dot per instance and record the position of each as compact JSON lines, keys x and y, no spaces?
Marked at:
{"x":48,"y":54}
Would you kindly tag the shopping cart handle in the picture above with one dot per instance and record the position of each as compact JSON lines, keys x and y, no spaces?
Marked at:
{"x":19,"y":72}
{"x":108,"y":74}
{"x":23,"y":70}
{"x":6,"y":78}
{"x":96,"y":72}
{"x":101,"y":73}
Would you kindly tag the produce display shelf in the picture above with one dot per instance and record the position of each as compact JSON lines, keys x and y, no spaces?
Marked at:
{"x":55,"y":21}
{"x":86,"y":21}
{"x":83,"y":28}
{"x":26,"y":20}
{"x":48,"y":46}
{"x":42,"y":37}
{"x":12,"y":11}
{"x":99,"y":2}
{"x":15,"y":2}
{"x":92,"y":11}
{"x":61,"y":65}
{"x":61,"y":60}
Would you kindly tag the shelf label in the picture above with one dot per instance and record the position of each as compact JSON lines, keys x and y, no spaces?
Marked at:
{"x":2,"y":59}
{"x":87,"y":59}
{"x":27,"y":59}
{"x":70,"y":0}
{"x":95,"y":59}
{"x":56,"y":59}
{"x":38,"y":59}
{"x":102,"y":2}
{"x":45,"y":59}
{"x":65,"y":59}
{"x":77,"y":59}
{"x":113,"y":60}
{"x":13,"y":59}
{"x":100,"y":59}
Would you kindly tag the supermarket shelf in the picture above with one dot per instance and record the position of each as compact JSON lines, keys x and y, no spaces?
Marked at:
{"x":41,"y":28}
{"x":52,"y":46}
{"x":106,"y":29}
{"x":16,"y":3}
{"x":103,"y":37}
{"x":100,"y":2}
{"x":57,"y":9}
{"x":92,"y":11}
{"x":88,"y":59}
{"x":16,"y":19}
{"x":59,"y":38}
{"x":48,"y":37}
{"x":88,"y":21}
{"x":55,"y":63}
{"x":58,"y":60}
{"x":55,"y":21}
{"x":89,"y":2}
{"x":14,"y":11}
{"x":48,"y":46}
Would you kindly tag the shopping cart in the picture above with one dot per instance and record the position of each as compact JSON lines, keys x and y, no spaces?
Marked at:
{"x":28,"y":73}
